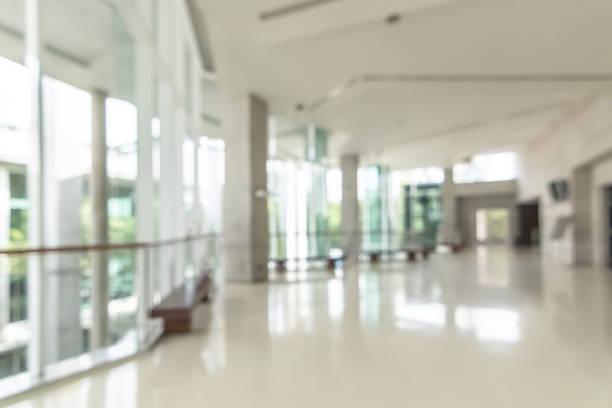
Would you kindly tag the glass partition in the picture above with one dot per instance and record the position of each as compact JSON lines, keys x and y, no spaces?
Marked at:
{"x":15,"y":156}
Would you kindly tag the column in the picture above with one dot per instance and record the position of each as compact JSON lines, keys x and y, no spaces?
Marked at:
{"x":169,"y":179}
{"x":144,"y":182}
{"x":449,"y":211}
{"x":99,"y":198}
{"x":350,"y":208}
{"x":36,"y":277}
{"x":245,"y":215}
{"x":582,"y":200}
{"x":62,"y":227}
{"x":5,"y":221}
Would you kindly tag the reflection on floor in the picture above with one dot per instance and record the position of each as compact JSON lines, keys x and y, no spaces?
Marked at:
{"x":489,"y":327}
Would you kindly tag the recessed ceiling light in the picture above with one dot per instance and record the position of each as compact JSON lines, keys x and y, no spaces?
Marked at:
{"x":393,"y":18}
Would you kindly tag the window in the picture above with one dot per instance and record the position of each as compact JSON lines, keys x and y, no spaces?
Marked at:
{"x":487,"y":168}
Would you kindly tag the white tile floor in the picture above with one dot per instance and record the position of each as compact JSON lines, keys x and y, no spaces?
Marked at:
{"x":486,"y":328}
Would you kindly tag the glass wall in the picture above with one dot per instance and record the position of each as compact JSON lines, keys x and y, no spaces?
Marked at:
{"x":212,"y":179}
{"x":15,"y":155}
{"x":415,"y":204}
{"x":86,"y":55}
{"x":303,"y":195}
{"x":377,"y":233}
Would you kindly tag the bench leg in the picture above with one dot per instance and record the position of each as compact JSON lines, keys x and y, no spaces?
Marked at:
{"x":411,"y":256}
{"x":281,"y":266}
{"x":374,"y":258}
{"x":331,"y":264}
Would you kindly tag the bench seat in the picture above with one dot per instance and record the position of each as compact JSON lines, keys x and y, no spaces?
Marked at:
{"x":177,"y":308}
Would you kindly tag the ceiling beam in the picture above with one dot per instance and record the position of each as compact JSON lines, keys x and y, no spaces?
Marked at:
{"x":293,"y":8}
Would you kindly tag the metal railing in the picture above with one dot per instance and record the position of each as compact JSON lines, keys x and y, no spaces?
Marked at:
{"x":312,"y":245}
{"x":49,"y":329}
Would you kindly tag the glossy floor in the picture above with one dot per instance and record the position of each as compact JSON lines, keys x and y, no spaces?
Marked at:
{"x":489,"y":327}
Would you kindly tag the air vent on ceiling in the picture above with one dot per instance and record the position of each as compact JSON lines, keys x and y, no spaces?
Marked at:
{"x":300,"y":6}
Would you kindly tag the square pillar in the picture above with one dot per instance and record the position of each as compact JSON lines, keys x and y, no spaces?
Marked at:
{"x":5,"y":221}
{"x":351,"y":236}
{"x":582,"y":200}
{"x":449,"y":209}
{"x":170,"y":185}
{"x":99,"y":198}
{"x":245,"y":215}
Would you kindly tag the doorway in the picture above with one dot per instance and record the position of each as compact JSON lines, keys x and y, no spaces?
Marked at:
{"x":493,"y":226}
{"x":529,"y":225}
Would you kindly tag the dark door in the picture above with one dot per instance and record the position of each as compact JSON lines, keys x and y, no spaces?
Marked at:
{"x":529,"y":224}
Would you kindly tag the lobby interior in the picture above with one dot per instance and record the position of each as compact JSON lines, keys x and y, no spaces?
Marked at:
{"x":305,"y":202}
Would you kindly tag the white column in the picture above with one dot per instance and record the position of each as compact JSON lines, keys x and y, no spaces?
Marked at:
{"x":349,"y":165}
{"x":180,"y":215}
{"x":167,"y":186}
{"x":99,"y":199}
{"x":449,"y":209}
{"x":144,"y":182}
{"x":245,"y":227}
{"x":62,"y":227}
{"x":582,"y":200}
{"x":36,"y":277}
{"x":196,"y":130}
{"x":5,"y":221}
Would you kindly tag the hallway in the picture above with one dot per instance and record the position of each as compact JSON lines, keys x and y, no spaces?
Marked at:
{"x":490,"y":327}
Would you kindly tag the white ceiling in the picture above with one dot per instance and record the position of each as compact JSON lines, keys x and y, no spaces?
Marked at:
{"x":319,"y":57}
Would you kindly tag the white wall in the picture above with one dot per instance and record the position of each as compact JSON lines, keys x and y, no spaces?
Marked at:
{"x":602,"y":178}
{"x":486,"y":189}
{"x":580,"y":137}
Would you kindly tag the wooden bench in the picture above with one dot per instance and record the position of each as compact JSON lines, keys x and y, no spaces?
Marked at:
{"x":281,"y":264}
{"x":411,"y":253}
{"x":176,"y":308}
{"x":332,"y":262}
{"x":374,"y":256}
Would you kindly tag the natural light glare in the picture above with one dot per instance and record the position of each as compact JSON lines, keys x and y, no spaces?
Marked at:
{"x":414,"y":313}
{"x":334,"y":185}
{"x":69,"y":132}
{"x":426,"y":175}
{"x":14,"y":95}
{"x":487,"y":168}
{"x":494,"y":325}
{"x":121,"y":139}
{"x":121,"y":123}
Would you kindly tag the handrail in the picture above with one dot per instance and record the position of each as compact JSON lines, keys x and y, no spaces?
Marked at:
{"x":355,"y":232}
{"x":106,"y":247}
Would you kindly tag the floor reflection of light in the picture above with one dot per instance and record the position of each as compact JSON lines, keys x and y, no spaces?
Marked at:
{"x":335,"y":298}
{"x":492,"y":271}
{"x":369,"y":299}
{"x":283,"y":309}
{"x":495,"y":325}
{"x":121,"y":384}
{"x":305,"y":300}
{"x":410,"y":313}
{"x":214,"y":355}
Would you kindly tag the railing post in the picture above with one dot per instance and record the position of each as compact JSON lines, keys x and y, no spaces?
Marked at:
{"x":142,"y":295}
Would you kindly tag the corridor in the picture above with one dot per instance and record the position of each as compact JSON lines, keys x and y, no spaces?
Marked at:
{"x":488,"y":327}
